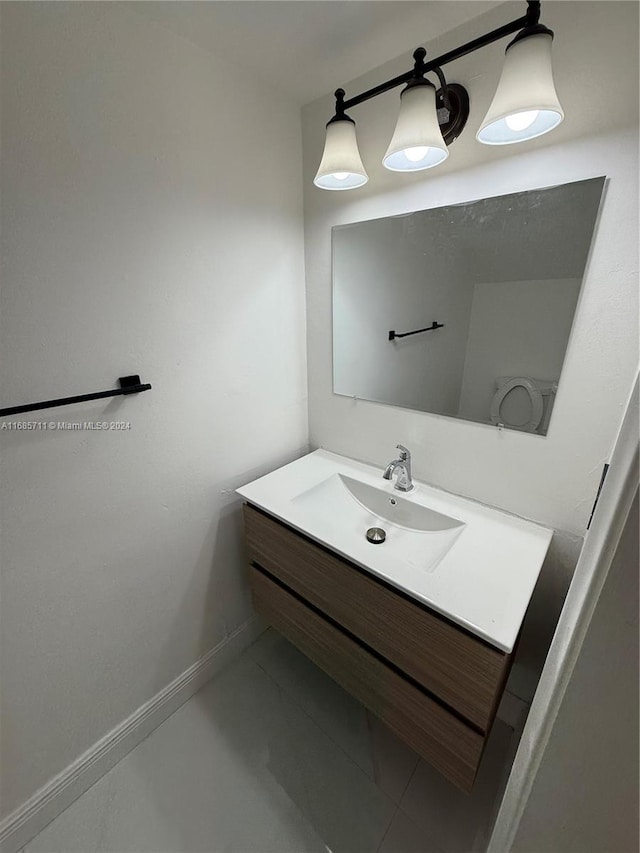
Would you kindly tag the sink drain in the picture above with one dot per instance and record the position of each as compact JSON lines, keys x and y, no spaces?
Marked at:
{"x":376,"y":535}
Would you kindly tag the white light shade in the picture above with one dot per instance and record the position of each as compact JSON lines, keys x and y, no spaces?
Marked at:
{"x":341,"y":166}
{"x":417,"y":141}
{"x":525,"y":104}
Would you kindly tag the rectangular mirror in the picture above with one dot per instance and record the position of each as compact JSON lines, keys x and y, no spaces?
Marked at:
{"x":463,"y":310}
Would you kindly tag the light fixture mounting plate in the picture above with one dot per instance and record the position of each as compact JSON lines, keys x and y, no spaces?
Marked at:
{"x":452,"y":121}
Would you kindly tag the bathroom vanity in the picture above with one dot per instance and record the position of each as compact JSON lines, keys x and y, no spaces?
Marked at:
{"x":420,"y":628}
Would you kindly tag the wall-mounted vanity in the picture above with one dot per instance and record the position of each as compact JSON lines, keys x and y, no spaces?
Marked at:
{"x":420,"y":628}
{"x":500,"y":279}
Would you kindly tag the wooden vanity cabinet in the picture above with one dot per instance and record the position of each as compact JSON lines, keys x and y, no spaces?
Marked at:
{"x":433,"y":683}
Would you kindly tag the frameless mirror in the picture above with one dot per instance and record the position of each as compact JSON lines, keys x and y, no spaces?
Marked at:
{"x":463,"y":310}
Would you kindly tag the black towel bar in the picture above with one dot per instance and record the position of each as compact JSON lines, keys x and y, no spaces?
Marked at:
{"x":128,"y":385}
{"x":393,"y":335}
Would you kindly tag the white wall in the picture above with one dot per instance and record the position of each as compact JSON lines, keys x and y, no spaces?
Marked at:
{"x":584,"y":708}
{"x":151,"y":223}
{"x":554,"y":479}
{"x":585,"y":794}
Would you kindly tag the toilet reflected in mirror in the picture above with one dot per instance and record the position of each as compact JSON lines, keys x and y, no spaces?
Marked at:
{"x":523,"y":403}
{"x":464,"y":311}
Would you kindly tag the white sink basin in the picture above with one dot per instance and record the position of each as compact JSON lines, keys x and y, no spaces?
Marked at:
{"x":395,"y":509}
{"x":474,"y":564}
{"x":416,"y":534}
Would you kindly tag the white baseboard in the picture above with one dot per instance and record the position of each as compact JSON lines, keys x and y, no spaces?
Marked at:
{"x":18,"y":828}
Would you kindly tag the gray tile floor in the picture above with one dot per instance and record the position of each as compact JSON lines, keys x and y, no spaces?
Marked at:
{"x":273,"y":757}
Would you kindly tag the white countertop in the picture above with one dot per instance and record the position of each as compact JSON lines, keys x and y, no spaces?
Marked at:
{"x":483,"y":582}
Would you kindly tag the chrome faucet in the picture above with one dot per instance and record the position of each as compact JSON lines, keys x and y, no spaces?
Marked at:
{"x":403,"y":467}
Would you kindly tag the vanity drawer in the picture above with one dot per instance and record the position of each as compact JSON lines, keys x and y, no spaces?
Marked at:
{"x":443,"y":739}
{"x":464,"y":672}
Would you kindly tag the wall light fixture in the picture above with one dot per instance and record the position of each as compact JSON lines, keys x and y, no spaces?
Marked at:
{"x":524,"y":106}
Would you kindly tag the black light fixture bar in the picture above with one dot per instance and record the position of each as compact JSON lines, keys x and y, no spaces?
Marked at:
{"x":525,"y":106}
{"x":530,"y":19}
{"x":128,"y":385}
